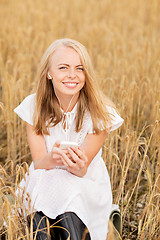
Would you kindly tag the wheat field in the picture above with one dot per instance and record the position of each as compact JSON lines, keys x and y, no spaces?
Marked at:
{"x":123,"y":39}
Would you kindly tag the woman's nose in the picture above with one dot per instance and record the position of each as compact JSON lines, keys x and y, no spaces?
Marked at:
{"x":71,"y":73}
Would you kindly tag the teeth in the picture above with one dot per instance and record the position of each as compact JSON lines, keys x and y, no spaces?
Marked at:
{"x":71,"y":84}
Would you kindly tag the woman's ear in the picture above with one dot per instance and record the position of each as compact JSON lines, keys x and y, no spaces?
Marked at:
{"x":49,"y":76}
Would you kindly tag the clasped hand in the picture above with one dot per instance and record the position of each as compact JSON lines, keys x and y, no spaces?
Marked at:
{"x":73,"y":158}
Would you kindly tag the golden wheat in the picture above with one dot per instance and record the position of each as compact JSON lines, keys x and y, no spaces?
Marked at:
{"x":123,"y":40}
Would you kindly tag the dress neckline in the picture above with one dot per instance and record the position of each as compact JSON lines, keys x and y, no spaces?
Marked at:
{"x":72,"y":111}
{"x":67,"y":121}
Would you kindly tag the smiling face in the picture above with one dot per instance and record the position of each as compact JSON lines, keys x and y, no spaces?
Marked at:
{"x":67,"y":73}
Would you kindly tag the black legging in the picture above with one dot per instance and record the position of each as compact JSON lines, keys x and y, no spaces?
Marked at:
{"x":60,"y":228}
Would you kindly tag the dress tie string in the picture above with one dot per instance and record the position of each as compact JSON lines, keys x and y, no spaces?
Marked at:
{"x":67,"y":120}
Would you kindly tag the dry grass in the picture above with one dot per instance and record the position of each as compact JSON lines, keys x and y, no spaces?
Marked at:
{"x":123,"y":39}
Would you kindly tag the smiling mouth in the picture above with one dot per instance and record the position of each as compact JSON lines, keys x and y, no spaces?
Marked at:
{"x":70,"y":84}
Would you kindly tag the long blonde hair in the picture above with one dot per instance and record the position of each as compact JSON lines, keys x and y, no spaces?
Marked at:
{"x":90,"y":99}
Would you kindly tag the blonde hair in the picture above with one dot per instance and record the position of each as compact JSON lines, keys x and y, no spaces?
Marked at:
{"x":90,"y":99}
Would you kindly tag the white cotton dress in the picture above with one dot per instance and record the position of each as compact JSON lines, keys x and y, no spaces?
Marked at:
{"x":57,"y":191}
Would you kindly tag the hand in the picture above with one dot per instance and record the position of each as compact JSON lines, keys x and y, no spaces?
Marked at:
{"x":76,"y":161}
{"x":51,"y":159}
{"x":56,"y":154}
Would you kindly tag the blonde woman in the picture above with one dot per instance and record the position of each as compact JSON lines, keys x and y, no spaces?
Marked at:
{"x":68,"y":180}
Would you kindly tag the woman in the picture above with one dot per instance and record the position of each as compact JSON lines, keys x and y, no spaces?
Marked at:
{"x":68,"y":106}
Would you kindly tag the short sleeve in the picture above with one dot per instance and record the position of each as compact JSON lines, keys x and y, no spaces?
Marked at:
{"x":116,"y":120}
{"x":26,"y":109}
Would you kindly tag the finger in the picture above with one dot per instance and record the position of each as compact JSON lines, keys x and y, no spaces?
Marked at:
{"x":73,"y":155}
{"x":56,"y":153}
{"x":65,"y":151}
{"x":80,"y":162}
{"x":60,"y":151}
{"x":57,"y":144}
{"x":57,"y":150}
{"x":62,"y":155}
{"x":56,"y":156}
{"x":59,"y":163}
{"x":69,"y":163}
{"x":80,"y":153}
{"x":66,"y":159}
{"x":69,"y":156}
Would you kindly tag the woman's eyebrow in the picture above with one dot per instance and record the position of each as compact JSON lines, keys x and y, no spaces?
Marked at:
{"x":68,"y":65}
{"x":80,"y":65}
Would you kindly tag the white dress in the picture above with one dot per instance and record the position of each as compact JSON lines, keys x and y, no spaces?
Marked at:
{"x":57,"y":191}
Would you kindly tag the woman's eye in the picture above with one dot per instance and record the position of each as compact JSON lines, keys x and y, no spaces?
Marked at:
{"x":80,"y":69}
{"x":62,"y":68}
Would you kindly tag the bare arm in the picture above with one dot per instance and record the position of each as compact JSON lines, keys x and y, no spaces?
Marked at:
{"x":75,"y":159}
{"x":92,"y":144}
{"x":41,"y":158}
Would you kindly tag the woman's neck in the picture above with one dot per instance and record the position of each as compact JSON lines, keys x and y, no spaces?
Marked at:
{"x":67,"y":103}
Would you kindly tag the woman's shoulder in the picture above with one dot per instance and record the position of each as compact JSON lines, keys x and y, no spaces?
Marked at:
{"x":115,"y":119}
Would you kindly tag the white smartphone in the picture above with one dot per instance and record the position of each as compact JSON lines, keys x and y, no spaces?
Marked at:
{"x":66,"y":144}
